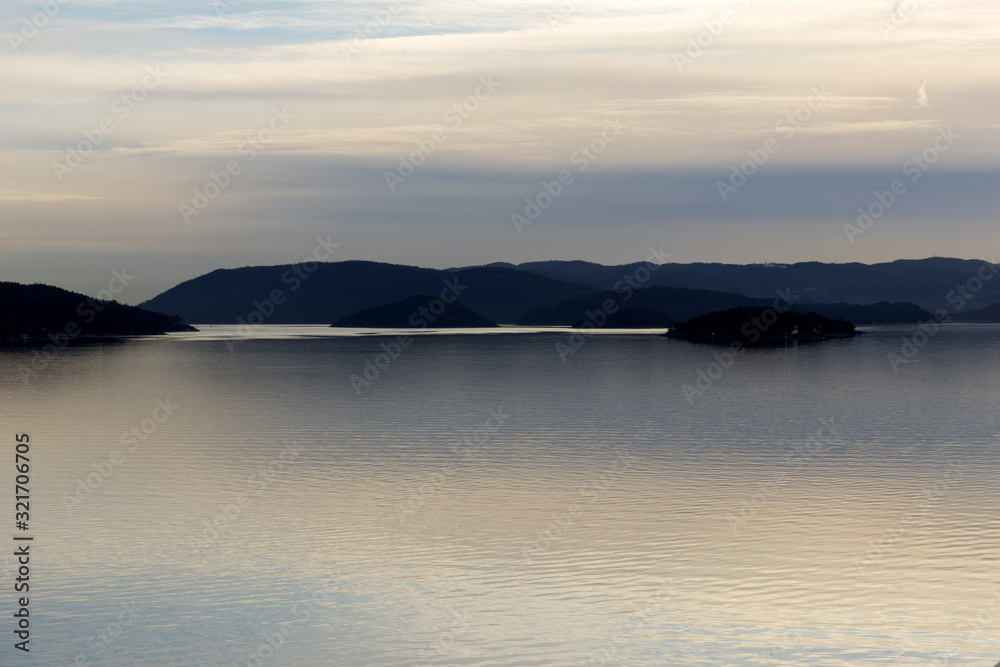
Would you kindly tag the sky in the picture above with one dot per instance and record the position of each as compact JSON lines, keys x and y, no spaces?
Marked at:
{"x":167,"y":139}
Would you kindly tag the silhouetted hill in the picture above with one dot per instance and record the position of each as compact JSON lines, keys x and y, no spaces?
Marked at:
{"x":677,"y":304}
{"x":876,"y":313}
{"x":753,"y":326}
{"x":633,"y":318}
{"x":337,"y":289}
{"x":926,"y":282}
{"x":990,"y":313}
{"x":289,"y":295}
{"x":40,"y":311}
{"x":493,"y":265}
{"x":415,"y":312}
{"x":587,"y":273}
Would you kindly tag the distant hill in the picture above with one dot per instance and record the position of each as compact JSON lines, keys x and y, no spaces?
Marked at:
{"x":337,"y":289}
{"x":494,"y":265}
{"x":677,"y":304}
{"x":990,"y":313}
{"x":680,"y":304}
{"x":289,"y":295}
{"x":633,"y":318}
{"x":876,"y":313}
{"x":415,"y":312}
{"x":36,"y":312}
{"x":926,"y":282}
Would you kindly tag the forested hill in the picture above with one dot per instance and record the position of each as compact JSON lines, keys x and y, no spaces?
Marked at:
{"x":333,"y":290}
{"x":29,"y":312}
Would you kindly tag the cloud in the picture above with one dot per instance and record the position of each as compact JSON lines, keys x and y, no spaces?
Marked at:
{"x":46,"y":197}
{"x":880,"y":126}
{"x":565,"y":67}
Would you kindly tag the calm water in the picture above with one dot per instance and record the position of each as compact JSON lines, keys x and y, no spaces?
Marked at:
{"x":606,"y":519}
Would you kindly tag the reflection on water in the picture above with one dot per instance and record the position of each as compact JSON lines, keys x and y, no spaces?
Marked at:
{"x":485,"y":500}
{"x":229,"y":332}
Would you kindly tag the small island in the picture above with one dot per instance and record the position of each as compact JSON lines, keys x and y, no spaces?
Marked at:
{"x":761,"y":326}
{"x":416,"y":312}
{"x":32,"y":314}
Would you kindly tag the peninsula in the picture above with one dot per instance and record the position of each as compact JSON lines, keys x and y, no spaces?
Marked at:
{"x":42,"y":313}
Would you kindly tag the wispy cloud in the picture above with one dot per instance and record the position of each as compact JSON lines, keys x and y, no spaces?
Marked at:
{"x":46,"y":197}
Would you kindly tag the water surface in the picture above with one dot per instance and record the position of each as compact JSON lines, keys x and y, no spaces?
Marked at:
{"x":496,"y":500}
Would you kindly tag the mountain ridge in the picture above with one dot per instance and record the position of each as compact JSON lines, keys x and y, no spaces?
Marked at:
{"x":928,"y":282}
{"x":332,"y":290}
{"x":322,"y":293}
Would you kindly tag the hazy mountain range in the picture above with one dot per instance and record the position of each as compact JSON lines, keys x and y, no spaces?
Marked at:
{"x":559,"y":293}
{"x":925,"y":282}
